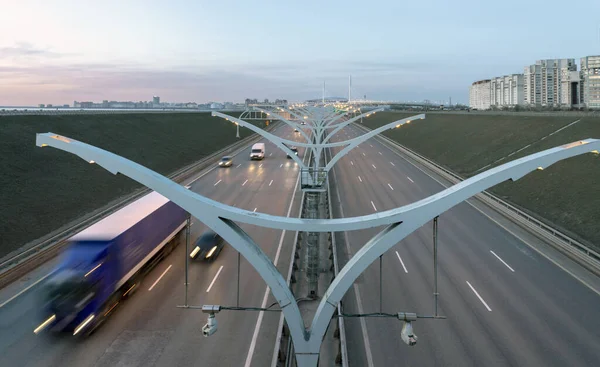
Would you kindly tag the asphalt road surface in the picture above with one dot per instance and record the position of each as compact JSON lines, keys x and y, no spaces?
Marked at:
{"x":506,"y":304}
{"x":148,"y":329}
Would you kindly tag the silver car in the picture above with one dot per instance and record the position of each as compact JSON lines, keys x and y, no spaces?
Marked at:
{"x":226,"y":161}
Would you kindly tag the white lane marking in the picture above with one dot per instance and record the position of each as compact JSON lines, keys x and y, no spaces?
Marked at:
{"x":364,"y":154}
{"x":478,"y":296}
{"x":360,"y":179}
{"x":393,"y":164}
{"x":371,"y":145}
{"x":380,"y":153}
{"x":515,"y":235}
{"x":255,"y":209}
{"x":238,"y":165}
{"x":260,"y":165}
{"x":391,"y":187}
{"x":352,"y":163}
{"x":216,"y":183}
{"x":160,"y":277}
{"x":270,"y":154}
{"x":270,"y":183}
{"x":373,"y":205}
{"x":202,"y":175}
{"x":363,"y":324}
{"x":401,"y":262}
{"x":266,"y":296}
{"x":214,"y":279}
{"x":244,"y":182}
{"x":503,"y":262}
{"x":281,"y":165}
{"x":410,"y":179}
{"x":373,"y":166}
{"x":24,"y":290}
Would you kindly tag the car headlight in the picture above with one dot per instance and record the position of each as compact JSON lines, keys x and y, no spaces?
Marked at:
{"x":195,"y":252}
{"x":211,"y":252}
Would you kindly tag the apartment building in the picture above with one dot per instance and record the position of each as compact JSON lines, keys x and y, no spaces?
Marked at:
{"x":590,"y":82}
{"x":551,"y":82}
{"x":480,"y":95}
{"x":507,"y":91}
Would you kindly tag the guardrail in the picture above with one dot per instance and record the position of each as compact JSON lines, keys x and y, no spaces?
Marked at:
{"x":19,"y":264}
{"x":574,"y":249}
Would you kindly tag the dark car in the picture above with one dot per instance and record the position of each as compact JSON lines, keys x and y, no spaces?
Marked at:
{"x":226,"y":161}
{"x":208,"y":246}
{"x":293,"y":149}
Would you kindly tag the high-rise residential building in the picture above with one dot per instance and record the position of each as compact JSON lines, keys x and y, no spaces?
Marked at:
{"x":590,"y":82}
{"x":156,"y":100}
{"x":507,"y":91}
{"x":479,"y":95}
{"x":552,"y":82}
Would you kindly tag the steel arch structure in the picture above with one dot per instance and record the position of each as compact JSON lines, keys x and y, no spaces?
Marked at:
{"x":318,"y":146}
{"x":400,"y":222}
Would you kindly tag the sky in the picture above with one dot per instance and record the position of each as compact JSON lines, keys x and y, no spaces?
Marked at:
{"x":60,"y":51}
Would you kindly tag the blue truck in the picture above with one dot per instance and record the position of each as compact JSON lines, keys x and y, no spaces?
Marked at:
{"x":105,"y":263}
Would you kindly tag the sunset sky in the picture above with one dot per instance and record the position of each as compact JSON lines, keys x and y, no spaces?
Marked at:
{"x":60,"y":51}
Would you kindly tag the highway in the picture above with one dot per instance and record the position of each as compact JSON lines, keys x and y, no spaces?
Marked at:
{"x":148,"y":329}
{"x":506,"y":304}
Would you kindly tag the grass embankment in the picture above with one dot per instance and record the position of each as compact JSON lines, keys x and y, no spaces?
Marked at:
{"x":43,"y":189}
{"x":566,"y":194}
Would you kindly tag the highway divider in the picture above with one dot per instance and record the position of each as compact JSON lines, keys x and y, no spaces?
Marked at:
{"x":15,"y":266}
{"x":575,"y":250}
{"x":284,"y":352}
{"x":283,"y":341}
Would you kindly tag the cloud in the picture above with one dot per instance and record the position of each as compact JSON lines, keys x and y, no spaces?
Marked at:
{"x":26,"y":50}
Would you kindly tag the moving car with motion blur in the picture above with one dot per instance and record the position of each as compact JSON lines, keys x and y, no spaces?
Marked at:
{"x":226,"y":161}
{"x":208,"y":246}
{"x":293,"y":149}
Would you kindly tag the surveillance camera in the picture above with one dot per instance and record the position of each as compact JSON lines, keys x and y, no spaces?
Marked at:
{"x":211,"y":327}
{"x":407,"y":334}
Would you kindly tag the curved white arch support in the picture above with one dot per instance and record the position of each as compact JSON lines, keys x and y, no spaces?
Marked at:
{"x":340,"y":126}
{"x":279,"y":142}
{"x":353,"y":143}
{"x":191,"y":201}
{"x":293,"y":113}
{"x":245,"y":245}
{"x":285,"y":121}
{"x":401,"y":222}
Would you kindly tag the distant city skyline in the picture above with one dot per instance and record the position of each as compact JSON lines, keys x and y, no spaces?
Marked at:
{"x":61,"y":51}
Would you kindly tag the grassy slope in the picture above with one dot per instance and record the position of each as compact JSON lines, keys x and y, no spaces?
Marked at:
{"x":567,"y":194}
{"x":43,"y":189}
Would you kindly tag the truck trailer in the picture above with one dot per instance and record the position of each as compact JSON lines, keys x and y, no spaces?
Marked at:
{"x":105,"y":263}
